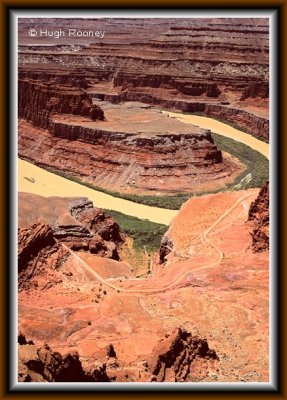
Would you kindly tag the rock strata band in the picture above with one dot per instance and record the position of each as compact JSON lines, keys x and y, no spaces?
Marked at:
{"x":93,"y":305}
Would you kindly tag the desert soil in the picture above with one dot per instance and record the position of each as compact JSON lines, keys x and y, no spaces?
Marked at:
{"x":212,"y":284}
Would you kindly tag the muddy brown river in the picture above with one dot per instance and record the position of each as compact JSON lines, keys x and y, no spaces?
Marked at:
{"x":32,"y":179}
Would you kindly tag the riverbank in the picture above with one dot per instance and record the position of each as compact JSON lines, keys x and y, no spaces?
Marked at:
{"x":159,"y":209}
{"x":222,"y":129}
{"x":32,"y":179}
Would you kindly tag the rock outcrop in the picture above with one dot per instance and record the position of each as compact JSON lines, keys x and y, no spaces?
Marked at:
{"x":89,"y":229}
{"x":45,"y":365}
{"x":256,"y":90}
{"x":174,"y":357}
{"x":72,"y":233}
{"x":38,"y":255}
{"x":179,"y":357}
{"x":259,"y":217}
{"x":39,"y":100}
{"x":166,"y":247}
{"x":195,"y":290}
{"x":247,"y":121}
{"x":181,"y":62}
{"x":32,"y":241}
{"x":95,"y":220}
{"x":40,"y":252}
{"x":218,"y":67}
{"x":139,"y":163}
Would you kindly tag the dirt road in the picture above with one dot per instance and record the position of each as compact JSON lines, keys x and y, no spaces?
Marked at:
{"x":182,"y":276}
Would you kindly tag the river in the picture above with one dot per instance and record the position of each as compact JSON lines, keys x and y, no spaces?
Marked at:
{"x":223,"y":129}
{"x":47,"y":184}
{"x":44,"y":183}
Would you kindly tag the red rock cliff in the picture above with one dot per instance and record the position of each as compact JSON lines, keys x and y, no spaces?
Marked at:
{"x":174,"y":356}
{"x":174,"y":63}
{"x":39,"y":100}
{"x":39,"y":255}
{"x":259,"y":217}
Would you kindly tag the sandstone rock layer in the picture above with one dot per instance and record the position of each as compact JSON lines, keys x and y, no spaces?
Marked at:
{"x":216,"y":66}
{"x":259,"y":217}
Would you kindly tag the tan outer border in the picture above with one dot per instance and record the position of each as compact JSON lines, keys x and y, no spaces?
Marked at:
{"x":4,"y":173}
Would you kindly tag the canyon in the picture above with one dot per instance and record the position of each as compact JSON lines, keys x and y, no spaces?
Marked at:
{"x":86,"y":107}
{"x":133,"y":150}
{"x":99,"y":299}
{"x":219,"y":67}
{"x":179,"y":324}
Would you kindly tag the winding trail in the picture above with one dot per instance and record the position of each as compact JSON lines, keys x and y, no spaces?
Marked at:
{"x":177,"y":280}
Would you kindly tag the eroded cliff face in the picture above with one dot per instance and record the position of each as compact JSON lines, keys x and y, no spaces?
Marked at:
{"x":218,"y":67}
{"x":166,"y":247}
{"x":138,"y":162}
{"x":247,"y":118}
{"x":128,"y":81}
{"x":38,"y":100}
{"x":134,"y":149}
{"x":178,"y":357}
{"x":41,"y":256}
{"x":248,"y":122}
{"x":190,"y":65}
{"x":88,"y":229}
{"x":42,"y":364}
{"x":96,"y":221}
{"x":259,"y":218}
{"x":166,"y":327}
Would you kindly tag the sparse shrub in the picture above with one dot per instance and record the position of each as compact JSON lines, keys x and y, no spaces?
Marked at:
{"x":144,"y":232}
{"x":257,"y":165}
